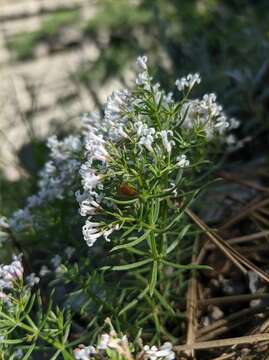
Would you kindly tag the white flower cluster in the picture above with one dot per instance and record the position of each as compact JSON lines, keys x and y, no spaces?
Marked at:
{"x":167,"y":143}
{"x":10,"y":273}
{"x":142,"y":62}
{"x":106,"y":341}
{"x":121,"y":345}
{"x":97,"y":132}
{"x":56,"y":177}
{"x":127,"y":116}
{"x":148,"y":135}
{"x":4,"y":229}
{"x":93,"y":230}
{"x":188,"y":82}
{"x":84,"y":352}
{"x":206,"y":113}
{"x":32,"y":279}
{"x":182,"y":161}
{"x":164,"y":352}
{"x":59,"y":173}
{"x":145,"y":135}
{"x":115,"y":118}
{"x":4,"y":223}
{"x":143,"y":78}
{"x":21,"y":219}
{"x":63,"y":150}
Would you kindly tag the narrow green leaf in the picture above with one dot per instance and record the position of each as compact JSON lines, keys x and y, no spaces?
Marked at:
{"x":122,"y":202}
{"x":29,"y":352}
{"x":12,"y":341}
{"x":182,"y":212}
{"x":180,"y":237}
{"x":154,"y":276}
{"x":155,"y":210}
{"x":135,"y":301}
{"x":164,"y":302}
{"x":132,"y":243}
{"x":54,"y":357}
{"x":127,"y":266}
{"x":67,"y":331}
{"x":186,"y":267}
{"x":128,"y":231}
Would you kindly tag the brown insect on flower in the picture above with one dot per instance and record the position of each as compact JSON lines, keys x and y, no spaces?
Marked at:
{"x":127,"y":190}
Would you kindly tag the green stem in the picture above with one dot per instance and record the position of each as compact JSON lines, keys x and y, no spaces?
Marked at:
{"x":153,"y":246}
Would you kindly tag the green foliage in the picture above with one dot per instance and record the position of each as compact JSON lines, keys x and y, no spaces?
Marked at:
{"x":24,"y":44}
{"x":51,"y":26}
{"x":13,"y":195}
{"x":118,"y":17}
{"x":226,"y":41}
{"x":139,"y":167}
{"x":25,"y":323}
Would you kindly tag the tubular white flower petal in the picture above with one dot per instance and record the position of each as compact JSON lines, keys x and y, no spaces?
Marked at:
{"x":142,"y":62}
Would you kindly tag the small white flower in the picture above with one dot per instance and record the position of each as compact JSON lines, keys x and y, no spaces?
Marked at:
{"x":157,"y":93}
{"x":142,"y":62}
{"x":91,"y":231}
{"x":89,"y":207}
{"x":94,"y":230}
{"x":168,"y":99}
{"x":231,"y":139}
{"x":142,"y":78}
{"x":167,"y":143}
{"x":140,"y":127}
{"x":18,"y":354}
{"x":84,"y":352}
{"x":56,"y":261}
{"x":182,"y":161}
{"x":206,"y":113}
{"x":21,"y":219}
{"x":4,"y":226}
{"x":10,"y":273}
{"x":150,"y":352}
{"x":208,"y":105}
{"x":164,"y":352}
{"x":221,"y":124}
{"x":89,"y":179}
{"x":147,"y":141}
{"x":4,"y":222}
{"x":115,"y":115}
{"x":234,"y":123}
{"x":147,"y":135}
{"x":32,"y":279}
{"x":61,"y":150}
{"x":116,"y":104}
{"x":173,"y":187}
{"x":104,"y":342}
{"x":69,"y":251}
{"x":44,"y":271}
{"x":95,"y":150}
{"x":188,"y":82}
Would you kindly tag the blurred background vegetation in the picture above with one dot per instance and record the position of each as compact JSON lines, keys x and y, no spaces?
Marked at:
{"x":59,"y":59}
